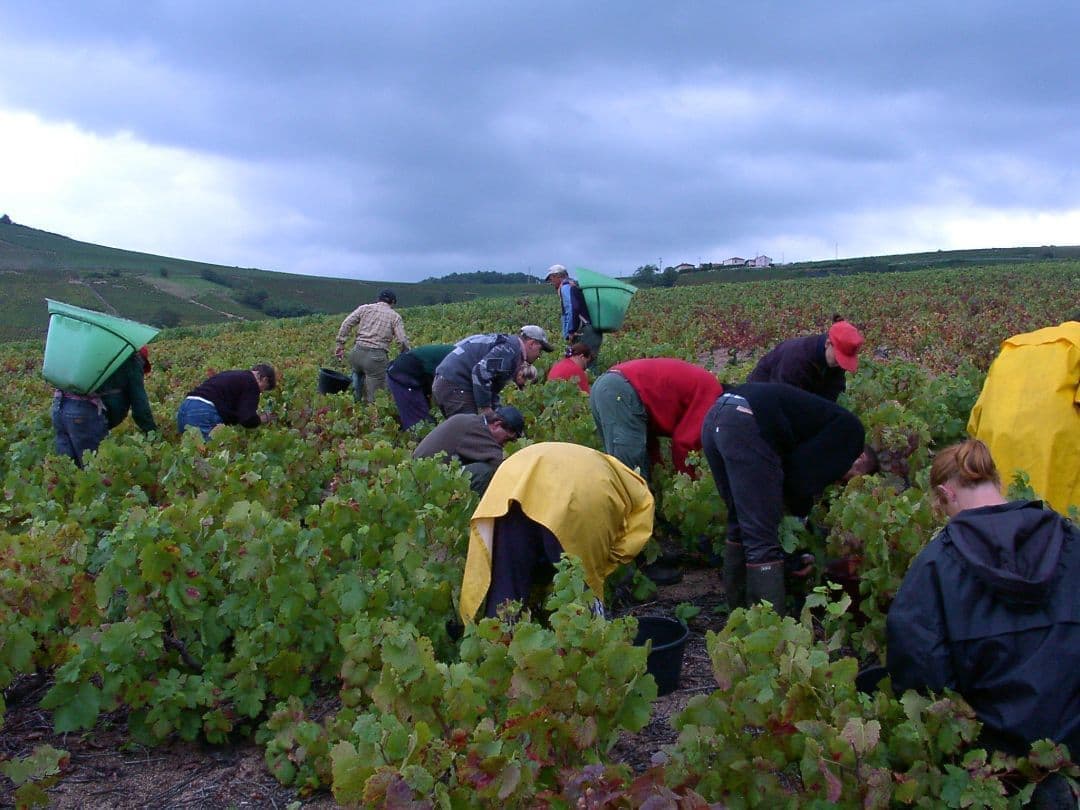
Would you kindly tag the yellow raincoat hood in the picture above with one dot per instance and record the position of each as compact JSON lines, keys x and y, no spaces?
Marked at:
{"x":599,"y":510}
{"x":1028,"y":413}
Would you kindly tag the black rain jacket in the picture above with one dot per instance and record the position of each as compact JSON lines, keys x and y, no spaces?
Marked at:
{"x":991,"y":609}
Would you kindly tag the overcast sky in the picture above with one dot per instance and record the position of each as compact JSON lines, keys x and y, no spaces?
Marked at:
{"x":396,"y":141}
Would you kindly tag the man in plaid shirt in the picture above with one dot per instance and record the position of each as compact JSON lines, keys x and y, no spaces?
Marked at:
{"x":377,"y":325}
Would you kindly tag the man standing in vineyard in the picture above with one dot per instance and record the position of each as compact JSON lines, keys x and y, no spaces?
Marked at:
{"x":815,"y":363}
{"x":476,"y":441}
{"x":377,"y":325}
{"x":1028,"y":413}
{"x":522,"y":526}
{"x":635,"y":403}
{"x":577,"y":325}
{"x":480,"y":366}
{"x":772,"y":446}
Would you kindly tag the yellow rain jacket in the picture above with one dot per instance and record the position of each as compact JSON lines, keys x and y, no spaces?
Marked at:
{"x":1028,"y":413}
{"x":599,"y":510}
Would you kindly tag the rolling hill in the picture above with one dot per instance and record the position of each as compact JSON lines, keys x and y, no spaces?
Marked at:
{"x":164,"y":291}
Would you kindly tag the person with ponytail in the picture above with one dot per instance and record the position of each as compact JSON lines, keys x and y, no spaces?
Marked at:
{"x":990,"y":608}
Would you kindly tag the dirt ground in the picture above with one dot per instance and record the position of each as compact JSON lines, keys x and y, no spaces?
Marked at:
{"x":108,"y":771}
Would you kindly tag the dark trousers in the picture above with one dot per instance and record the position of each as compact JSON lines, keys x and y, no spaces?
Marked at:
{"x":451,"y":398}
{"x":480,"y":475}
{"x":591,"y":338}
{"x":79,"y":426}
{"x":524,"y":554}
{"x":749,"y":476}
{"x":412,"y":401}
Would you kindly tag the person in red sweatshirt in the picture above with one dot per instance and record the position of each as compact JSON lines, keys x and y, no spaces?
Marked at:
{"x":636,"y":402}
{"x":572,"y":367}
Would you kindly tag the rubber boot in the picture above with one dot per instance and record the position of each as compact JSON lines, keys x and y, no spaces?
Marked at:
{"x":734,"y":575}
{"x":766,"y":581}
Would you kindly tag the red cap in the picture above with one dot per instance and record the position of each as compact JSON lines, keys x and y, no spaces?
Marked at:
{"x":846,"y":342}
{"x":145,"y":355}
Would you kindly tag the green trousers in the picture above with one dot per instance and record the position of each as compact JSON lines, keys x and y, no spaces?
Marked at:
{"x":621,"y":421}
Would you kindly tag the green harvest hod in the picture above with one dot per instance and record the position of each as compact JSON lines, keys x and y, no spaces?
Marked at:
{"x":606,"y":298}
{"x":84,"y":347}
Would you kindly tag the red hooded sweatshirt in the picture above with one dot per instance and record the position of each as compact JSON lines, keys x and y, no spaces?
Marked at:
{"x":676,"y":396}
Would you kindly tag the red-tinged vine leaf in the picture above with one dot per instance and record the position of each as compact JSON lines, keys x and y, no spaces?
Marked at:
{"x":834,"y":787}
{"x":508,"y":780}
{"x":1046,"y":754}
{"x":861,"y":735}
{"x":907,"y":789}
{"x":31,"y":795}
{"x":399,"y":796}
{"x":584,"y":735}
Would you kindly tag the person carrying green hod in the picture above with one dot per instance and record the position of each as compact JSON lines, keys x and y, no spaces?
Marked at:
{"x":81,"y":421}
{"x":577,"y":325}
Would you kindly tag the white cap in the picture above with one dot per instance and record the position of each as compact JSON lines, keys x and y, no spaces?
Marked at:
{"x":534,"y":332}
{"x":556,"y":270}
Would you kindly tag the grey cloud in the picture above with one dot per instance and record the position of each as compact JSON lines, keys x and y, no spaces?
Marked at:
{"x":453,"y":136}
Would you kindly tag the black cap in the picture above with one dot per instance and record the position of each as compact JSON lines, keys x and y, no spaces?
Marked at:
{"x":388,"y":296}
{"x":512,"y":418}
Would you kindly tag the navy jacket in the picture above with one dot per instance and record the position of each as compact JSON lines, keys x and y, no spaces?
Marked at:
{"x":991,"y":609}
{"x":801,"y":362}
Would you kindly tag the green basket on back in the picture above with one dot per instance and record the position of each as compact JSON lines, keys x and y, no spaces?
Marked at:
{"x":606,"y":298}
{"x":84,"y":347}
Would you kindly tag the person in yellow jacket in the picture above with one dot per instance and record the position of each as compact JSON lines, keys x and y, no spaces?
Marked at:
{"x":1028,"y":413}
{"x":544,"y":500}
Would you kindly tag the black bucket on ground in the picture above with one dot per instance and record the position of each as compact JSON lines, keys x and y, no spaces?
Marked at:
{"x":332,"y":382}
{"x":668,"y":637}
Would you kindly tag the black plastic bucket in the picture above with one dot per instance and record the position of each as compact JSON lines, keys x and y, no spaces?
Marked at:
{"x":668,"y":637}
{"x":332,"y":382}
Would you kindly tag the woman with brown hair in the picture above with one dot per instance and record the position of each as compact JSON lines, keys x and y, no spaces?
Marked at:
{"x":990,"y":608}
{"x":572,"y":367}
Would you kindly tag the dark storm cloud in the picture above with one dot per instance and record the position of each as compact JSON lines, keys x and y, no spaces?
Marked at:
{"x":446,"y":137}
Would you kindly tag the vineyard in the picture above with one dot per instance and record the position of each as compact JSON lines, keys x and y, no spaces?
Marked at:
{"x":296,"y":585}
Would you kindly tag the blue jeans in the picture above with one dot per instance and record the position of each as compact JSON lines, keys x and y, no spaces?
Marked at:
{"x":195,"y":413}
{"x":79,"y":427}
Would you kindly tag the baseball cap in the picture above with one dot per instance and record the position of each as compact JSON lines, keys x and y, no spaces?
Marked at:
{"x":846,"y":341}
{"x":534,"y":332}
{"x":144,"y":353}
{"x":512,"y":418}
{"x":556,"y":270}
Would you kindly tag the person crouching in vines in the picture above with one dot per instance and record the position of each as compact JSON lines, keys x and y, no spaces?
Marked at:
{"x":990,"y":610}
{"x":523,"y":524}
